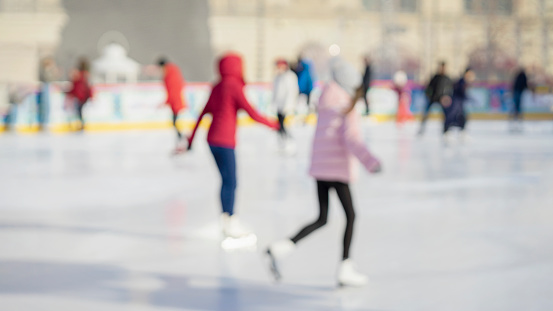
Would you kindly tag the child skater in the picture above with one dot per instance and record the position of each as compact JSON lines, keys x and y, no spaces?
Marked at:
{"x":337,"y":140}
{"x":81,"y":91}
{"x":227,"y":97}
{"x":174,"y":84}
{"x":285,"y":98}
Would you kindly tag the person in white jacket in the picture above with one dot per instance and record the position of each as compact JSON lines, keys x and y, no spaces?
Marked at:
{"x":285,"y":98}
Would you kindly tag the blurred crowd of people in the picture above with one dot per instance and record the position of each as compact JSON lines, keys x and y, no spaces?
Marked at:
{"x":294,"y":82}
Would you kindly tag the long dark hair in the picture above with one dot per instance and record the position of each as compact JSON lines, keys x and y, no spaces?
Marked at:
{"x":84,"y":65}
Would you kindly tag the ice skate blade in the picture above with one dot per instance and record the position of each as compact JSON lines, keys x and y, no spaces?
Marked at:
{"x":273,"y":266}
{"x":178,"y":152}
{"x":247,"y":242}
{"x":344,"y":285}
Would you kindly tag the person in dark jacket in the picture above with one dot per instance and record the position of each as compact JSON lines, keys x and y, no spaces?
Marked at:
{"x":367,"y":82}
{"x":439,"y":91}
{"x":519,"y":86}
{"x":455,"y":111}
{"x":80,"y":90}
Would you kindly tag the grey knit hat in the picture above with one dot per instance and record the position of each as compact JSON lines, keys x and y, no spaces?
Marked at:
{"x":344,"y":74}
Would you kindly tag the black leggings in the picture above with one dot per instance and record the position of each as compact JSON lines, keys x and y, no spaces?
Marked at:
{"x":308,"y":94}
{"x":365,"y":95}
{"x":80,"y":106}
{"x":517,"y":100}
{"x":282,"y":130}
{"x":342,"y":189}
{"x":175,"y":116}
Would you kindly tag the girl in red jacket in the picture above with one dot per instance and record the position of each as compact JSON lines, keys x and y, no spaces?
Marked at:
{"x":80,"y":89}
{"x":227,"y":97}
{"x":174,"y":84}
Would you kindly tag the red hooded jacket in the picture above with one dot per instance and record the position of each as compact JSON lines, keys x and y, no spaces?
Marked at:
{"x":80,"y":89}
{"x":174,"y":83}
{"x":227,"y":97}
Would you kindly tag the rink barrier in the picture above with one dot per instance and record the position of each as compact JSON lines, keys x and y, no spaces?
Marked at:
{"x":246,"y":121}
{"x":532,"y":116}
{"x":134,"y":106}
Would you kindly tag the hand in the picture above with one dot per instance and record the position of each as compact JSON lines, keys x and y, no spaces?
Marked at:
{"x":445,"y":101}
{"x":276,"y":126}
{"x":377,"y":168}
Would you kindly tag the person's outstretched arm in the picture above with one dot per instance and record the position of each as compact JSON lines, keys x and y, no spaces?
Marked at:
{"x":356,"y":146}
{"x":242,"y":103}
{"x":204,"y":112}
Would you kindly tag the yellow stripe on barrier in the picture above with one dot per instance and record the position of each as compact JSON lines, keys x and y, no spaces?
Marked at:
{"x":530,"y":116}
{"x":32,"y":129}
{"x":242,"y":121}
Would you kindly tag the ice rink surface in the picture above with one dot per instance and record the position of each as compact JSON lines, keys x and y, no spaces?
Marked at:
{"x":109,"y":221}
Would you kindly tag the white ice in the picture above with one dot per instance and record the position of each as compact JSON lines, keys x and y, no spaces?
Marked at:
{"x":109,"y":221}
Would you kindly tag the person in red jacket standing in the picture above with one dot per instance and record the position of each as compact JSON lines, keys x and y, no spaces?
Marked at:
{"x":174,"y":84}
{"x":227,"y":97}
{"x":80,"y":89}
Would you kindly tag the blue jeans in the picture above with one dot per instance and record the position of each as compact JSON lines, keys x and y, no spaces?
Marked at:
{"x":226,"y":163}
{"x":517,"y":99}
{"x":44,"y":104}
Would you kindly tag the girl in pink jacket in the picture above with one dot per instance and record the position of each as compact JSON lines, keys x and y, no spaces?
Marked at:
{"x":337,"y":142}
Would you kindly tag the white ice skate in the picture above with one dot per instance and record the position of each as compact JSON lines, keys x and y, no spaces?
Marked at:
{"x":232,"y":228}
{"x":520,"y":127}
{"x":349,"y":276}
{"x":290,"y":148}
{"x":281,"y":144}
{"x":278,"y":251}
{"x":181,"y":146}
{"x":236,"y":235}
{"x":515,"y":127}
{"x":446,"y":139}
{"x":464,"y":137}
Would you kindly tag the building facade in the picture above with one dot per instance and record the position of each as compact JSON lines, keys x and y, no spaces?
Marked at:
{"x":494,"y":36}
{"x":29,"y":30}
{"x":68,"y":29}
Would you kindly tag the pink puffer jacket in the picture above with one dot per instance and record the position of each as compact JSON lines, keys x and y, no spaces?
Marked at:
{"x":338,"y":139}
